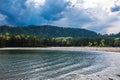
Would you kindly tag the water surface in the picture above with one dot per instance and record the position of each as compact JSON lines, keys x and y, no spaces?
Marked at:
{"x":43,"y":65}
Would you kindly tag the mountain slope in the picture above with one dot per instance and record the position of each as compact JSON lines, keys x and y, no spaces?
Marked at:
{"x":48,"y":31}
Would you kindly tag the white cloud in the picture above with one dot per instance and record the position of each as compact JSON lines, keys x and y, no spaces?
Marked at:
{"x":72,"y":1}
{"x":3,"y":19}
{"x":61,"y":22}
{"x":100,"y":11}
{"x":114,"y":28}
{"x":35,"y":3}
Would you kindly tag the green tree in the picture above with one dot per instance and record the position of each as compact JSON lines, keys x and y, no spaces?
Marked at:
{"x":90,"y":44}
{"x":95,"y":44}
{"x":117,"y":42}
{"x":102,"y":43}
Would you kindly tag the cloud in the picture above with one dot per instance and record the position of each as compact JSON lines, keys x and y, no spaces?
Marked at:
{"x":35,"y":3}
{"x":52,"y":10}
{"x":116,"y":6}
{"x":26,"y":12}
{"x":114,"y":28}
{"x":115,"y":9}
{"x":2,"y":19}
{"x":75,"y":17}
{"x":97,"y":15}
{"x":11,"y":9}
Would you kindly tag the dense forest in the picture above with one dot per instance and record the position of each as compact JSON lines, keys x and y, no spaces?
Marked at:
{"x":21,"y":40}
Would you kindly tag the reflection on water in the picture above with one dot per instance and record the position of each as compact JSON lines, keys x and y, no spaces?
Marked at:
{"x":44,"y":65}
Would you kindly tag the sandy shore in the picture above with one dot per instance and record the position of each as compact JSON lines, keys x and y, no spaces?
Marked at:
{"x":106,"y":49}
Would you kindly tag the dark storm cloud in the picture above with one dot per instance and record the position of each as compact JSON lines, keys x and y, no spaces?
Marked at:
{"x":11,"y":9}
{"x":19,"y":14}
{"x":52,"y":10}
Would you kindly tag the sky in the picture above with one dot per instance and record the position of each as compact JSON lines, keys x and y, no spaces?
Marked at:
{"x":101,"y":16}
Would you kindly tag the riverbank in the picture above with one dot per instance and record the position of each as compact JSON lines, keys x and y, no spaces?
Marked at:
{"x":105,"y":49}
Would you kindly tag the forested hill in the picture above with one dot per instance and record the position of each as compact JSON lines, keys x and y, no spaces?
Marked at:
{"x":115,"y":35}
{"x":48,"y":31}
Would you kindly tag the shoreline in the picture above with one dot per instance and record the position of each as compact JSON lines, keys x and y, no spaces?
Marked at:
{"x":103,"y":49}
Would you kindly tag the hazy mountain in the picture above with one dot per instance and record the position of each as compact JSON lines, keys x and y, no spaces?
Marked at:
{"x":48,"y":31}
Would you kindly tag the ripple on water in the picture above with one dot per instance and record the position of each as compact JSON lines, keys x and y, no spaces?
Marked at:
{"x":49,"y":64}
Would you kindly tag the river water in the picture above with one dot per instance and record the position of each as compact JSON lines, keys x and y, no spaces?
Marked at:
{"x":50,"y":65}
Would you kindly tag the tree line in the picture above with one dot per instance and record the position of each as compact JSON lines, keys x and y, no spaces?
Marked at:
{"x":21,"y":40}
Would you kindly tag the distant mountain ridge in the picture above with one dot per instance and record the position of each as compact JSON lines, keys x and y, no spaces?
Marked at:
{"x":49,"y":31}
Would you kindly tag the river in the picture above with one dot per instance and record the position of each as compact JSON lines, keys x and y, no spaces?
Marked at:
{"x":50,"y":64}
